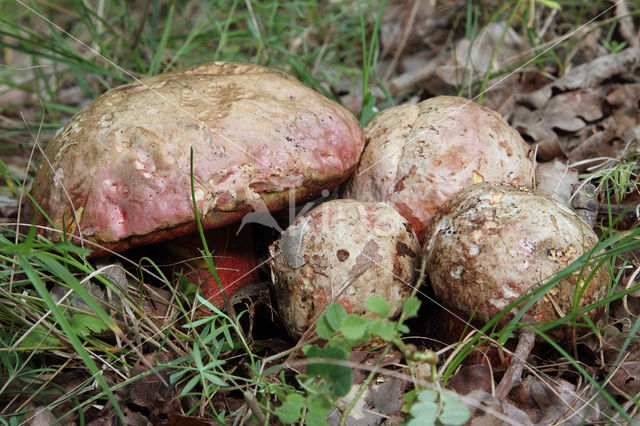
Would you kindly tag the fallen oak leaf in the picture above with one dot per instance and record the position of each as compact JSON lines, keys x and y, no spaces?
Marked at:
{"x":588,"y":75}
{"x":566,"y":112}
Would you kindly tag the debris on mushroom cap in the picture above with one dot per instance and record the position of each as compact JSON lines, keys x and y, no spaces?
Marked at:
{"x":490,"y":244}
{"x":122,"y":165}
{"x":342,"y":251}
{"x":417,"y":156}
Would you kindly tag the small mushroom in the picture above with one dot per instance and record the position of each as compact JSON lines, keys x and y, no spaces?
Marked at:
{"x":342,"y":251}
{"x":417,"y":156}
{"x":118,"y":174}
{"x":490,"y":244}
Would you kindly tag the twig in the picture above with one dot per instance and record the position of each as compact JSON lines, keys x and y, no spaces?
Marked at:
{"x":255,"y":407}
{"x":514,"y":372}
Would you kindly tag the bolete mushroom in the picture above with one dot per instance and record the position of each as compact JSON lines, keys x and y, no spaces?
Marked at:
{"x":342,"y":251}
{"x":118,"y":173}
{"x":417,"y":156}
{"x":490,"y":244}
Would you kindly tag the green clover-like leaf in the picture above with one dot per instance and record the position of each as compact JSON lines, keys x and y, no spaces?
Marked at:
{"x":378,"y":305}
{"x":354,"y":327}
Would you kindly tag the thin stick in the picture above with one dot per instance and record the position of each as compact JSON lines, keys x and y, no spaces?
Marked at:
{"x":514,"y":372}
{"x":250,"y":399}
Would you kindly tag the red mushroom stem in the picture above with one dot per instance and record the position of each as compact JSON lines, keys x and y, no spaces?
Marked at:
{"x":233,"y":256}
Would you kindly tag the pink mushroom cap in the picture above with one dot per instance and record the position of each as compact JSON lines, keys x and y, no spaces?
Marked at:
{"x":119,"y":170}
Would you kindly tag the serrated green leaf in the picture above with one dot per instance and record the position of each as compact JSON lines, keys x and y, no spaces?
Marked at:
{"x":290,"y":410}
{"x":335,"y":314}
{"x":338,"y":376}
{"x":454,"y":412}
{"x":385,"y":329}
{"x":427,"y":395}
{"x":411,"y":307}
{"x":39,"y":337}
{"x":378,"y":305}
{"x":354,"y":327}
{"x":317,"y":412}
{"x":425,"y":410}
{"x":85,"y":324}
{"x":424,"y":413}
{"x":323,"y":330}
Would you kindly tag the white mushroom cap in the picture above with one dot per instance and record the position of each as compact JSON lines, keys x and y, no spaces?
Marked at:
{"x":489,"y":244}
{"x":342,"y":251}
{"x":417,"y":156}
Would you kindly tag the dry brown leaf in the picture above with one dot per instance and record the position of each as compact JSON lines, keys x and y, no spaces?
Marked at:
{"x":484,"y":416}
{"x":624,"y":99}
{"x":625,"y":375}
{"x":580,"y":118}
{"x":567,"y":112}
{"x":584,"y":76}
{"x":431,"y":23}
{"x":557,"y":180}
{"x":626,"y":27}
{"x":471,"y":378}
{"x":598,"y":144}
{"x":559,"y":402}
{"x":362,"y":412}
{"x":175,"y":419}
{"x":42,"y":416}
{"x":387,"y":395}
{"x":368,"y":359}
{"x":151,"y":391}
{"x":473,"y":57}
{"x":590,"y":47}
{"x":418,"y":68}
{"x":585,"y":203}
{"x":622,"y":370}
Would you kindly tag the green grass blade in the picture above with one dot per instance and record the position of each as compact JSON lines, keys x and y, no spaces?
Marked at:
{"x":69,"y":279}
{"x":586,"y":375}
{"x":68,"y":331}
{"x":162,"y":46}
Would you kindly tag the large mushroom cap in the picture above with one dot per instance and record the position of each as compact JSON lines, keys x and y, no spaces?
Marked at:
{"x":417,"y":156}
{"x":257,"y":136}
{"x":342,"y":251}
{"x":490,"y":244}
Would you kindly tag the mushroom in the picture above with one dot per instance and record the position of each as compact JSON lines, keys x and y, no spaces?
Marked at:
{"x":490,"y":244}
{"x":342,"y":251}
{"x":417,"y":156}
{"x":118,"y":175}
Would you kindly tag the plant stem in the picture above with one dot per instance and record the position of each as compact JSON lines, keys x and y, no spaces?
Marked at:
{"x":363,"y":387}
{"x":254,"y":406}
{"x":514,"y":372}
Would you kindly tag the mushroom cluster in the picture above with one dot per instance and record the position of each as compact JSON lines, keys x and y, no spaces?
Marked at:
{"x":440,"y":173}
{"x":455,"y":171}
